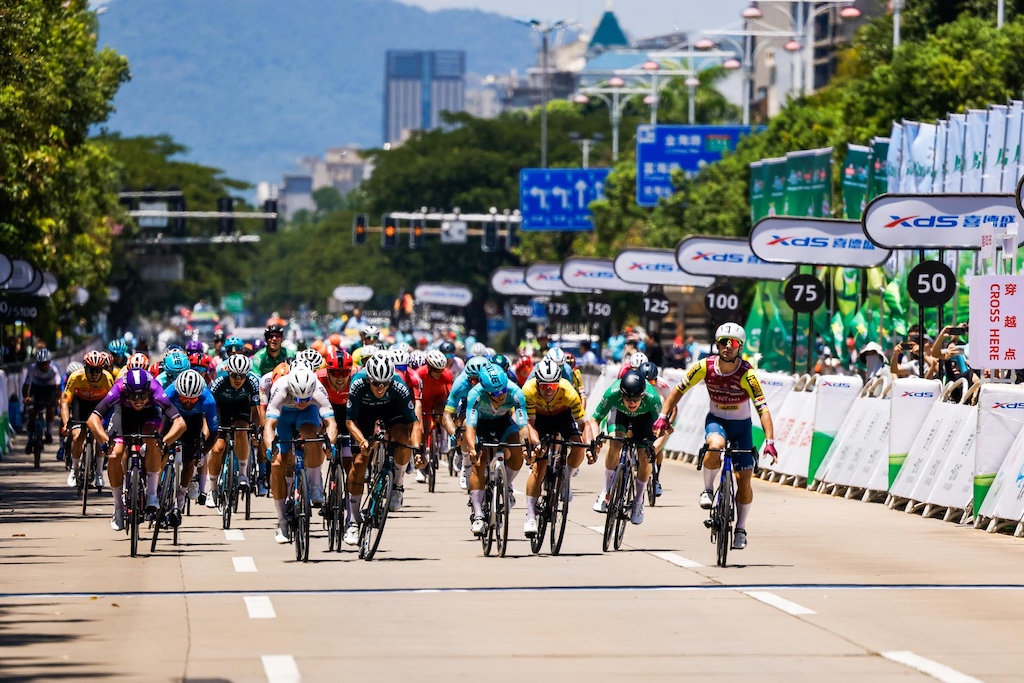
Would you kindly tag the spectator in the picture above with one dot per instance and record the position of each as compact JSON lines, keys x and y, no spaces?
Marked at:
{"x":616,"y":346}
{"x":587,"y":355}
{"x":873,"y":359}
{"x":697,"y":351}
{"x":543,"y":341}
{"x":356,"y":321}
{"x":677,"y":356}
{"x":653,"y":349}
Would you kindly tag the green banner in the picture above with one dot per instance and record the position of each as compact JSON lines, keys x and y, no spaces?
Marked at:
{"x":775,"y":181}
{"x":233,"y":303}
{"x":878,"y":176}
{"x":821,"y":183}
{"x":809,"y":183}
{"x":758,"y":192}
{"x":855,"y":181}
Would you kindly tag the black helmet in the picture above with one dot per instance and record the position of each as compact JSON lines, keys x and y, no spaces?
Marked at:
{"x":501,"y":361}
{"x":447,"y":348}
{"x":649,"y":370}
{"x":632,"y":385}
{"x":273,"y":329}
{"x":218,"y":335}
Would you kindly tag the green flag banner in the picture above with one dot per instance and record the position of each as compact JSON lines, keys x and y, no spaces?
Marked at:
{"x":821,"y":183}
{"x":855,"y":180}
{"x":799,"y":174}
{"x":878,"y":177}
{"x":758,"y":192}
{"x":775,"y":181}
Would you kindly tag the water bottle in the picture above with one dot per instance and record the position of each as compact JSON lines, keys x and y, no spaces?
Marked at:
{"x":193,"y":490}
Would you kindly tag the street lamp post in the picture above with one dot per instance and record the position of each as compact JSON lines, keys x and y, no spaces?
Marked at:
{"x":692,"y":83}
{"x":544,"y":29}
{"x":615,"y":95}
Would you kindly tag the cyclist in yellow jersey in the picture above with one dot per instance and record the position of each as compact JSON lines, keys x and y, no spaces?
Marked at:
{"x":732,"y":384}
{"x":370,"y":337}
{"x":84,"y":389}
{"x":554,"y":407}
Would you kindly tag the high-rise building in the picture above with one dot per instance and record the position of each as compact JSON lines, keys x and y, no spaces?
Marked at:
{"x":418,"y":86}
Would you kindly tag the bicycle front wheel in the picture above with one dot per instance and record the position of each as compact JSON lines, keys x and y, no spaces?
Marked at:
{"x":723,"y":519}
{"x":375,"y":514}
{"x":166,"y":502}
{"x":134,"y":511}
{"x":652,"y":484}
{"x":543,"y":515}
{"x":302,"y":512}
{"x":615,"y":502}
{"x":334,"y":516}
{"x":500,"y":511}
{"x":559,"y":509}
{"x":87,"y":467}
{"x":433,"y":461}
{"x":227,"y":492}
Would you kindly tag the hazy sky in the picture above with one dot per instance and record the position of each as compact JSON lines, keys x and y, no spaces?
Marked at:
{"x":638,"y":18}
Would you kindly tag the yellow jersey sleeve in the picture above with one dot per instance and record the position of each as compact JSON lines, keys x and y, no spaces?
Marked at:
{"x":752,"y":386}
{"x":697,"y":372}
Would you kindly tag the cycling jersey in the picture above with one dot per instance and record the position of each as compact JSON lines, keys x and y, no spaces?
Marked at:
{"x":397,"y":400}
{"x":413,"y":381}
{"x":281,"y":399}
{"x":205,"y":406}
{"x":435,"y":391}
{"x":118,"y":396}
{"x":729,"y":393}
{"x":480,"y":407}
{"x":360,"y":355}
{"x":337,"y":397}
{"x":223,"y":392}
{"x":36,"y":377}
{"x":263,"y":362}
{"x":80,"y":387}
{"x":566,"y":398}
{"x":650,"y":403}
{"x":458,"y":395}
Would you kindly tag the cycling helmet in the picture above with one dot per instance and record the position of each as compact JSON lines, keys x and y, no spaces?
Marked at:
{"x":338,"y":359}
{"x":95,"y":359}
{"x":479,"y":349}
{"x":556,"y":354}
{"x":334,"y":340}
{"x":548,"y":371}
{"x":369,"y":352}
{"x":447,"y":348}
{"x":189,"y":384}
{"x":108,"y":359}
{"x":42,"y":355}
{"x":239,"y":364}
{"x":436,"y":359}
{"x":312,"y":357}
{"x":174,"y":347}
{"x":399,"y":356}
{"x":137,"y":360}
{"x":731,"y":331}
{"x":401,"y":346}
{"x":632,"y":385}
{"x":494,"y":380}
{"x":638,"y":359}
{"x":370,"y":332}
{"x":118,"y":347}
{"x":475,"y":365}
{"x":649,"y":371}
{"x":176,"y":362}
{"x":234,"y":344}
{"x":417,"y":359}
{"x":194,"y":346}
{"x":501,"y":361}
{"x":302,"y":383}
{"x":273,"y":329}
{"x":571,"y":360}
{"x":491,"y":353}
{"x":258,"y":344}
{"x":280,"y":370}
{"x":380,"y":368}
{"x":74,"y":366}
{"x":218,"y":335}
{"x":137,"y":383}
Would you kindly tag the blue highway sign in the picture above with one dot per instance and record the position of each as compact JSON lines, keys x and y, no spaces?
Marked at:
{"x":559,"y":198}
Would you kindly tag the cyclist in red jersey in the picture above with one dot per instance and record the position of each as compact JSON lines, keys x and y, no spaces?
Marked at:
{"x":336,"y":375}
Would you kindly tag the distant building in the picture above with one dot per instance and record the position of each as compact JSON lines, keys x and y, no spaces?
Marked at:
{"x":294,"y":195}
{"x":341,"y":168}
{"x":418,"y":86}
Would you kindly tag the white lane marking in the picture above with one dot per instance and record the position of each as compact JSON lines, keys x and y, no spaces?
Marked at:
{"x":678,"y":560}
{"x":929,"y":666}
{"x":244,"y":564}
{"x":779,"y":603}
{"x":260,"y":607}
{"x":233,"y":535}
{"x":281,"y":669}
{"x":598,"y":529}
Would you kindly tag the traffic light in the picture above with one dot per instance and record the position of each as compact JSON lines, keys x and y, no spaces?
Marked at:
{"x":177,"y":223}
{"x":129,"y":203}
{"x":270,"y":224}
{"x":511,"y":235}
{"x":225,"y":224}
{"x":389,"y":232}
{"x":490,"y":240}
{"x":359,"y":229}
{"x":416,"y":234}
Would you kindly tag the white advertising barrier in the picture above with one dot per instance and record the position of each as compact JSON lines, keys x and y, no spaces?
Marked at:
{"x":940,"y":430}
{"x":1000,"y":419}
{"x":605,"y":380}
{"x":957,"y":456}
{"x":835,"y":397}
{"x":912,"y":400}
{"x":511,"y":282}
{"x":794,"y":427}
{"x":443,"y":294}
{"x":821,"y":241}
{"x":727,"y":257}
{"x":656,"y":267}
{"x":1005,"y":500}
{"x":689,"y":429}
{"x":776,"y":387}
{"x":859,"y":455}
{"x":595,"y":273}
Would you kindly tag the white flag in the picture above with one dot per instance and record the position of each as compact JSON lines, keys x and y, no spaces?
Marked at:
{"x":954,"y":153}
{"x":922,"y":154}
{"x":939,"y":168}
{"x":908,"y":181}
{"x":1011,"y":153}
{"x":995,"y":138}
{"x":974,"y":149}
{"x":892,"y":158}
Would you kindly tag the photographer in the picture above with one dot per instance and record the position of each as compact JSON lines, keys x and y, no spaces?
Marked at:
{"x":951,"y":353}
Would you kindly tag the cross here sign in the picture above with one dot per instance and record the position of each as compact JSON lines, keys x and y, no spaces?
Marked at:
{"x":996,"y":322}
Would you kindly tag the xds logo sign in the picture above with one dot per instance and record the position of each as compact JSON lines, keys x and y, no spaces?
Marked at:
{"x":837,"y":385}
{"x":656,"y":267}
{"x":1008,"y":406}
{"x":724,"y":258}
{"x":950,"y":221}
{"x":817,"y":242}
{"x":918,"y":394}
{"x":594,"y":273}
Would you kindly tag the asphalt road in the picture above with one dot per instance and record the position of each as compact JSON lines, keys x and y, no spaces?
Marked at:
{"x":828,"y":589}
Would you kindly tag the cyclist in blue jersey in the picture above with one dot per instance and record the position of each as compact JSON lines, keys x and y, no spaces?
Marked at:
{"x":196,"y":405}
{"x":455,"y":406}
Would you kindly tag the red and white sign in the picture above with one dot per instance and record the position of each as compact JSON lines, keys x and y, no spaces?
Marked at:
{"x":996,"y":326}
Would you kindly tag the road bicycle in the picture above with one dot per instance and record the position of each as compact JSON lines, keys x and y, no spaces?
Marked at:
{"x":553,"y":505}
{"x":85,"y":473}
{"x":297,"y":507}
{"x":622,"y":493}
{"x":134,"y":500}
{"x":433,"y":452}
{"x":228,"y":490}
{"x":168,"y":495}
{"x":336,"y":489}
{"x":380,"y":474}
{"x":495,"y":504}
{"x":37,"y":428}
{"x":723,"y":512}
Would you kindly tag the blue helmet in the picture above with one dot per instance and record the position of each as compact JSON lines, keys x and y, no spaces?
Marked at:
{"x":175,"y":363}
{"x":118,"y":347}
{"x":501,"y":361}
{"x":494,"y":380}
{"x":475,"y":366}
{"x":233,"y":343}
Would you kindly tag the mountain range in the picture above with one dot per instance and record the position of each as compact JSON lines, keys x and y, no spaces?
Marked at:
{"x":252,"y":87}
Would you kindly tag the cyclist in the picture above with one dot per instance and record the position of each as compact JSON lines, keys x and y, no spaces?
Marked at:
{"x":175,"y":363}
{"x":139,"y":399}
{"x":651,"y":372}
{"x":554,"y":408}
{"x":196,"y":405}
{"x":636,"y":406}
{"x":237,"y":397}
{"x":297,"y":400}
{"x":400,"y":357}
{"x":495,"y":411}
{"x":455,"y":407}
{"x":84,"y":389}
{"x":336,"y":377}
{"x":559,"y":357}
{"x":455,"y":364}
{"x":118,"y":349}
{"x":219,"y":351}
{"x":377,"y":394}
{"x":369,"y":336}
{"x":266,"y":358}
{"x":732,"y":384}
{"x":436,"y":379}
{"x":39,"y":392}
{"x":523,"y":368}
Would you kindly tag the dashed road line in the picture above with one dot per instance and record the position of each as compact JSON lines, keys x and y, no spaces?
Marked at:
{"x":779,"y":603}
{"x":929,"y":666}
{"x":233,"y":535}
{"x":260,"y":607}
{"x":281,"y":669}
{"x":677,"y":560}
{"x":244,"y":564}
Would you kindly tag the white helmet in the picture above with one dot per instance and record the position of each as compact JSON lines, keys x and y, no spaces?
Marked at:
{"x":637,"y":359}
{"x":548,"y":371}
{"x":370,"y":351}
{"x":479,"y":349}
{"x":417,"y":359}
{"x":731,"y":331}
{"x":302,"y":382}
{"x":556,"y":354}
{"x":312,"y":357}
{"x":436,"y":359}
{"x":401,"y":346}
{"x":190,"y":384}
{"x":380,"y":368}
{"x":370,"y":331}
{"x":399,"y":356}
{"x":74,"y":366}
{"x":239,"y":364}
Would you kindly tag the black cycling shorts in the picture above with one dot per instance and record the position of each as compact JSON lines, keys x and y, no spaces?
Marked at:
{"x":641,"y":425}
{"x":561,"y":424}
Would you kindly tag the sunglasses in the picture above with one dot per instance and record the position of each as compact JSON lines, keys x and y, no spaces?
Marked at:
{"x":550,"y":386}
{"x":235,"y":375}
{"x":381,"y":385}
{"x":272,"y":337}
{"x":94,"y":371}
{"x":499,"y":393}
{"x":137,"y":399}
{"x":303,"y":400}
{"x":187,"y":401}
{"x":727,"y":343}
{"x":339,"y":373}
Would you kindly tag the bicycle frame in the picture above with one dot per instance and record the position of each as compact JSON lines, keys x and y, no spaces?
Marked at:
{"x":495,"y":504}
{"x":553,"y":505}
{"x":622,"y":493}
{"x":723,"y":511}
{"x":298,"y":510}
